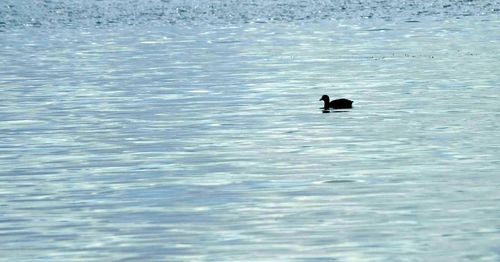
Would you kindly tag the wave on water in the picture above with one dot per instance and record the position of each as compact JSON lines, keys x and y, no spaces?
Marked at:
{"x":76,"y":13}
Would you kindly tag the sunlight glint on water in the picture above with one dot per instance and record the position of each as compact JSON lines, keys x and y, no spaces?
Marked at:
{"x":207,"y":142}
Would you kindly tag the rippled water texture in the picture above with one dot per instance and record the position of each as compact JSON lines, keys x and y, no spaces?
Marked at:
{"x":207,"y":143}
{"x":111,"y":13}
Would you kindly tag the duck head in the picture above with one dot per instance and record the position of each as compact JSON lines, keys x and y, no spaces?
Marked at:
{"x":326,"y":101}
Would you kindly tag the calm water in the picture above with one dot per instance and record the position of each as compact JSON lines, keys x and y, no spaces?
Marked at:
{"x":203,"y":141}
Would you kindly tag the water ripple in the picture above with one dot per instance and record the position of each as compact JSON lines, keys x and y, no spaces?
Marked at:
{"x":208,"y":143}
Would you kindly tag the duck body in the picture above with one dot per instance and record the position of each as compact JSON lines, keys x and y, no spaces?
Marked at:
{"x":341,"y":103}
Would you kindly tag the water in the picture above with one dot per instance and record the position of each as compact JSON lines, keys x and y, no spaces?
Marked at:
{"x":201,"y":138}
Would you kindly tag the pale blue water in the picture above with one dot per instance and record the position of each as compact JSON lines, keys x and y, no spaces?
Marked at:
{"x":198,"y":136}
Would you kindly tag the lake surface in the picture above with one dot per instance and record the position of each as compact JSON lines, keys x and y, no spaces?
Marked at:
{"x":199,"y":137}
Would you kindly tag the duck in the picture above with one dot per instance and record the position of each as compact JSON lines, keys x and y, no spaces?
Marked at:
{"x":337,"y":103}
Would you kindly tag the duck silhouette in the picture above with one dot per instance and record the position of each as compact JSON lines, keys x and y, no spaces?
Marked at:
{"x":337,"y":103}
